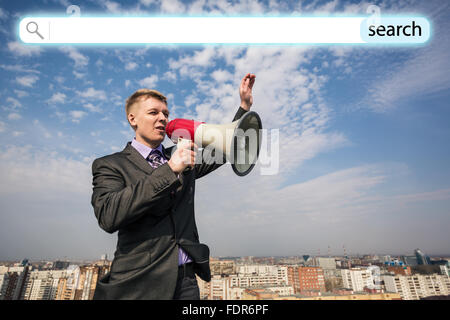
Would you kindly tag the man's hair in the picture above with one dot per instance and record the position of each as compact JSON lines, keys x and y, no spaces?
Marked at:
{"x":135,"y":97}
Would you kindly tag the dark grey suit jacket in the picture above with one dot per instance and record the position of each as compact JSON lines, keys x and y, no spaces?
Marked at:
{"x":153,"y":210}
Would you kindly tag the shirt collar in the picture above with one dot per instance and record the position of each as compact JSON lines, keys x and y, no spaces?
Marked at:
{"x":143,"y":149}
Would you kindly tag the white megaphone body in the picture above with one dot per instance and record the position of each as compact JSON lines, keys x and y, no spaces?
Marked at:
{"x":239,"y":142}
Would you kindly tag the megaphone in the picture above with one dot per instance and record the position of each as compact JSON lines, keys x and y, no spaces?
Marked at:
{"x":239,"y":141}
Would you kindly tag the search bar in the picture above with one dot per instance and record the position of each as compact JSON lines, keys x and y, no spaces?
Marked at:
{"x":204,"y":30}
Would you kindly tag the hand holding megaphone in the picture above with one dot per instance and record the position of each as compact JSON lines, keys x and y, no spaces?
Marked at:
{"x":184,"y":156}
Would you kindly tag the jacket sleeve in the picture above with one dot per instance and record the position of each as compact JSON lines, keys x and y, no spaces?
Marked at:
{"x":206,"y":167}
{"x":117,"y":204}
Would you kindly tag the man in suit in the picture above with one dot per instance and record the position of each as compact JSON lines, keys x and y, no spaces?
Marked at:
{"x":146,"y":193}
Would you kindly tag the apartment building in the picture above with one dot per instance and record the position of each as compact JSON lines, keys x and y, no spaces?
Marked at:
{"x":222,"y":266}
{"x":357,"y":279}
{"x":231,"y":286}
{"x":417,"y":286}
{"x":12,"y":281}
{"x":42,"y":285}
{"x":306,"y":278}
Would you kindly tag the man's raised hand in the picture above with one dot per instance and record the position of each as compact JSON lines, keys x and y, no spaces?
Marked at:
{"x":245,"y":91}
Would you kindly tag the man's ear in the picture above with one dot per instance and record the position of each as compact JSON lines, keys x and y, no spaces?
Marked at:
{"x":132,"y":120}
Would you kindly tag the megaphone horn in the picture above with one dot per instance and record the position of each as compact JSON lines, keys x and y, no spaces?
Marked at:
{"x":239,"y":141}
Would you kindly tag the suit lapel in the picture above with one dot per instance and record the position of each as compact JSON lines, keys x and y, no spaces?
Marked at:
{"x":139,"y":160}
{"x":168,"y":151}
{"x":135,"y":157}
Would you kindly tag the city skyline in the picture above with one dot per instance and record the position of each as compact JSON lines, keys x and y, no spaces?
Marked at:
{"x":300,"y":256}
{"x":363,"y":134}
{"x":313,"y":278}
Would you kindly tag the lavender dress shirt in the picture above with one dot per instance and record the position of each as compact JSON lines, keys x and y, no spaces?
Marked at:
{"x":145,"y":152}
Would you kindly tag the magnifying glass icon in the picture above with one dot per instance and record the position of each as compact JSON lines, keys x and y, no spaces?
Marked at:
{"x":32,"y":27}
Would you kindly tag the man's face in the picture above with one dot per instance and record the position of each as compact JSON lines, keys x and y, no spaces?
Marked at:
{"x":149,"y":116}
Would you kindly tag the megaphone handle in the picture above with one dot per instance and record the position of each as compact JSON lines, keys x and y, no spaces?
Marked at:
{"x":182,"y":141}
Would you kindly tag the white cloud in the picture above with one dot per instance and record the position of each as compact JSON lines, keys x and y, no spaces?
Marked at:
{"x":142,"y":52}
{"x":14,"y":103}
{"x":2,"y":126}
{"x":115,"y":7}
{"x":77,"y":115}
{"x":331,"y":196}
{"x":190,"y":100}
{"x":127,"y":83}
{"x":92,"y":108}
{"x":3,"y":14}
{"x":60,"y":79}
{"x":57,"y":97}
{"x":443,"y":194}
{"x":355,"y":202}
{"x":128,"y":133}
{"x":18,"y":133}
{"x":131,"y":66}
{"x":149,"y":82}
{"x":172,"y":6}
{"x":45,"y":173}
{"x":38,"y":188}
{"x":116,"y":99}
{"x":27,"y":81}
{"x":289,"y":214}
{"x":78,"y":75}
{"x":22,"y":50}
{"x":79,"y":59}
{"x":147,"y":3}
{"x":222,"y":75}
{"x":228,"y":7}
{"x":19,"y":68}
{"x":200,"y":58}
{"x":92,"y":94}
{"x":418,"y":72}
{"x":424,"y":73}
{"x":170,"y":76}
{"x":112,"y":6}
{"x":323,"y":8}
{"x":21,"y":93}
{"x":42,"y":129}
{"x":14,"y":116}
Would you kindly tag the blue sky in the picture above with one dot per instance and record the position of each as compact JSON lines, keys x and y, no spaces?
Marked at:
{"x":363,"y":149}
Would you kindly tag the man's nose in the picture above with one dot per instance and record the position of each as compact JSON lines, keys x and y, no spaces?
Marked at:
{"x":162,"y":117}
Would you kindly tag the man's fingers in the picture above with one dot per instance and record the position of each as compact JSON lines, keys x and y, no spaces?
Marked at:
{"x":188,"y":145}
{"x":252,"y":81}
{"x":192,"y":159}
{"x":244,"y":80}
{"x":188,"y":156}
{"x":248,"y":81}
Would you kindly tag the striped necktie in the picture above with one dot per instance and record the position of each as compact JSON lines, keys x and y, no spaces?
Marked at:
{"x":155,"y":159}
